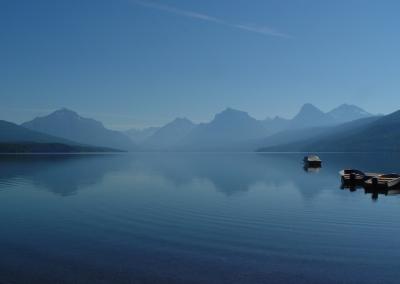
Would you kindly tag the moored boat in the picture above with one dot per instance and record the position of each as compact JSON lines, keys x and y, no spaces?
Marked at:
{"x":312,"y":161}
{"x":383,"y":181}
{"x":353,"y":175}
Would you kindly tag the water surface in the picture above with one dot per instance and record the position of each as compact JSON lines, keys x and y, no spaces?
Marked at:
{"x":194,"y":218}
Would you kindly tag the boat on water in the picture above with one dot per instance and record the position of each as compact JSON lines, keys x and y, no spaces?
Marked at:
{"x":312,"y":161}
{"x":370,"y":181}
{"x":383,"y":181}
{"x":354,"y":176}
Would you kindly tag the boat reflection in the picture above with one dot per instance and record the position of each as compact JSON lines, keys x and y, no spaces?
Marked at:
{"x":374,"y":192}
{"x":309,"y":169}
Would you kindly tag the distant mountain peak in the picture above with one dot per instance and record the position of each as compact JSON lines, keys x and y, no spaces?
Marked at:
{"x":346,"y":105}
{"x":309,"y":115}
{"x":308,"y":107}
{"x":170,"y":134}
{"x":349,"y":107}
{"x":230,"y":110}
{"x":348,"y":112}
{"x":65,"y":110}
{"x":68,"y":124}
{"x":230,"y":113}
{"x":309,"y":111}
{"x":181,"y":120}
{"x":67,"y":115}
{"x":228,"y":127}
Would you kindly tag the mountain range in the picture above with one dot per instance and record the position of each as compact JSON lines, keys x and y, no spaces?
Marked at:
{"x":377,"y":134}
{"x":17,"y":139}
{"x":311,"y":116}
{"x":10,"y":132}
{"x":229,"y":130}
{"x":140,"y":135}
{"x":171,"y":134}
{"x":228,"y":127}
{"x":235,"y":130}
{"x":69,"y":125}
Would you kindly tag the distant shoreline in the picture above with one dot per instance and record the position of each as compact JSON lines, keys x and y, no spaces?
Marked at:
{"x":51,"y":148}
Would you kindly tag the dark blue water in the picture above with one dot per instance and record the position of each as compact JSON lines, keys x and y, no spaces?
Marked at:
{"x":194,"y":218}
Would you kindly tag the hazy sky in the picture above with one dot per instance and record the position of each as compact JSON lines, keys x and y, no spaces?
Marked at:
{"x":137,"y":62}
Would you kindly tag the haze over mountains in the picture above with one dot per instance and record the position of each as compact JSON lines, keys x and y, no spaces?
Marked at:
{"x":345,"y":112}
{"x":311,"y":116}
{"x":229,"y":126}
{"x":374,"y":134}
{"x":15,"y":138}
{"x":171,"y":134}
{"x":140,"y":135}
{"x":236,"y":130}
{"x":68,"y":124}
{"x":230,"y":130}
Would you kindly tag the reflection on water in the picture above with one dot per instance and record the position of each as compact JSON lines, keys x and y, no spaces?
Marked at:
{"x":194,"y":218}
{"x":60,"y":174}
{"x":372,"y":191}
{"x":228,"y":173}
{"x":309,"y":169}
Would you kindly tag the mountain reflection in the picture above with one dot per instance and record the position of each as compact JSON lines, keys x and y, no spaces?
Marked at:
{"x":61,"y":174}
{"x":234,"y":173}
{"x":226,"y":173}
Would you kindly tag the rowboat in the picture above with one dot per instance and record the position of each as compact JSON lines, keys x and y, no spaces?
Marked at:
{"x":373,"y":183}
{"x":312,"y":161}
{"x":353,"y":176}
{"x":383,"y":181}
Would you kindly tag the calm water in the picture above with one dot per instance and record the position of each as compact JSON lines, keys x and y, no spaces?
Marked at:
{"x":194,"y":218}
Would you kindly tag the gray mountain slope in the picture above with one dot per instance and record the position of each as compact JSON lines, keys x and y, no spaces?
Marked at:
{"x":68,"y":124}
{"x":228,"y":127}
{"x":140,"y":135}
{"x":368,"y":134}
{"x":170,"y":135}
{"x":18,"y":139}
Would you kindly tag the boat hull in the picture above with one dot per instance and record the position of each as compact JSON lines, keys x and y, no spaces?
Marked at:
{"x":313,"y":164}
{"x":382,"y":182}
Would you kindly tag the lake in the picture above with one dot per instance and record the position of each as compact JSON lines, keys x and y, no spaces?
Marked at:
{"x":194,"y":218}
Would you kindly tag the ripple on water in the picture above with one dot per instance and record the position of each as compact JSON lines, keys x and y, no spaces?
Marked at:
{"x":9,"y":183}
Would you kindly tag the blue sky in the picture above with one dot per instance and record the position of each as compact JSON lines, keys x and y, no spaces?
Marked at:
{"x":136,"y":63}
